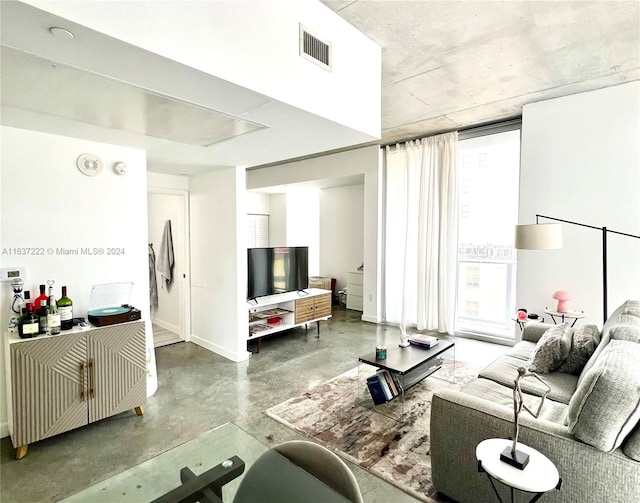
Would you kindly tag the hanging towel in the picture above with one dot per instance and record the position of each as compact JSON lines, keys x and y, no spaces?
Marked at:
{"x":165,"y":256}
{"x":153,"y":283}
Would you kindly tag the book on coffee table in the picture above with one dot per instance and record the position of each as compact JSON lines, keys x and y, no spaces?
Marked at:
{"x":423,"y":340}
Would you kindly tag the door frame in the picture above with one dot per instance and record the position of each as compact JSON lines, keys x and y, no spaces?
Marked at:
{"x":184,"y":293}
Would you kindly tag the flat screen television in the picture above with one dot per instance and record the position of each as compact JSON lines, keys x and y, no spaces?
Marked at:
{"x":277,"y":270}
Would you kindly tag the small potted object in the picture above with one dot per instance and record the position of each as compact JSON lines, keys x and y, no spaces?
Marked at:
{"x":562,"y":296}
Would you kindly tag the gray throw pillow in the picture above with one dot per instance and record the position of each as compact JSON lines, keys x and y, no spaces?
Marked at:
{"x":552,"y":349}
{"x":606,"y":404}
{"x":583,"y":343}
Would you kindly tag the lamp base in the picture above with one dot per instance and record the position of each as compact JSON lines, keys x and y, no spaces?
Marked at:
{"x":517,"y":459}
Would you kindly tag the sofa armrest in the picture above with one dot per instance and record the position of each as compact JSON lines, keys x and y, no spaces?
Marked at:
{"x":533,"y":331}
{"x":460,"y":421}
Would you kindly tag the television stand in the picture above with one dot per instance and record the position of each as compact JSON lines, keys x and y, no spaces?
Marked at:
{"x":284,"y":311}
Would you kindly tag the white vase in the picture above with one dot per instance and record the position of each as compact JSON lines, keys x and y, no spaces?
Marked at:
{"x":404,"y":337}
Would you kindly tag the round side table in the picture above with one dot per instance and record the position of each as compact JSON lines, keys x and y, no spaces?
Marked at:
{"x":571,"y":315}
{"x":538,"y":477}
{"x":527,"y":321}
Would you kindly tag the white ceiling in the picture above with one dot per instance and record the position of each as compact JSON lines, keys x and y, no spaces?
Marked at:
{"x":96,"y":87}
{"x":445,"y":65}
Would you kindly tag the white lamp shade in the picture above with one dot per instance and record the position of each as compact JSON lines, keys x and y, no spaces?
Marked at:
{"x":538,"y":237}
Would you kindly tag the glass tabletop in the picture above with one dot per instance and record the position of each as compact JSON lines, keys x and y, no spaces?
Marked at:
{"x":160,"y":474}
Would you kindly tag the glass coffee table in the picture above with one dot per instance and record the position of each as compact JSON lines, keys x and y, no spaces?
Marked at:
{"x":383,"y":384}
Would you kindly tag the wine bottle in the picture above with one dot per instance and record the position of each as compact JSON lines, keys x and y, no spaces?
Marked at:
{"x":65,"y":308}
{"x":53,"y":316}
{"x":29,"y":323}
{"x":42,"y":313}
{"x":38,"y":301}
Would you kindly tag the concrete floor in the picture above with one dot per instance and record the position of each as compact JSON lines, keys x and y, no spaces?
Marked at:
{"x":199,"y":390}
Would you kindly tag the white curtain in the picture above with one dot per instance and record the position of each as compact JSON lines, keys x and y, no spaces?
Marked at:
{"x":420,"y":187}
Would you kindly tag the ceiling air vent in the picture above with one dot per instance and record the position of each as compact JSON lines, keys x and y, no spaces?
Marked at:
{"x":314,"y":49}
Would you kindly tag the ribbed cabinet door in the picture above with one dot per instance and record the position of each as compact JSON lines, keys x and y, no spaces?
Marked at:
{"x":47,"y":380}
{"x":117,"y":369}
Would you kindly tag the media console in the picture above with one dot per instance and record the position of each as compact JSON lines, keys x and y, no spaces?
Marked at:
{"x":284,"y":311}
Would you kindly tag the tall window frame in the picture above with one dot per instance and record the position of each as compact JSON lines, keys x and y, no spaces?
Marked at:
{"x":486,"y":261}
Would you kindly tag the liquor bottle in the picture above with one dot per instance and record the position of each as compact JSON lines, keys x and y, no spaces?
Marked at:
{"x":27,"y":299}
{"x":42,"y":313}
{"x":38,"y":301}
{"x":65,"y":308}
{"x":29,"y":323}
{"x":53,"y":316}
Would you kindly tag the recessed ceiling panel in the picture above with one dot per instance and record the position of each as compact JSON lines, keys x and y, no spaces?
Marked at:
{"x":37,"y":84}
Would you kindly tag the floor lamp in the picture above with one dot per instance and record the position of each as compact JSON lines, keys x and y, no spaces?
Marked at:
{"x":549,"y":236}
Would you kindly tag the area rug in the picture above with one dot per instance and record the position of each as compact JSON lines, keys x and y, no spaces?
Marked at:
{"x":397,"y":451}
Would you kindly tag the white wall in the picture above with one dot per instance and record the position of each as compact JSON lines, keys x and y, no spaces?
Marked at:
{"x":341,"y":231}
{"x":162,"y":208}
{"x":278,"y":220}
{"x":581,"y":162}
{"x":218,"y":262}
{"x":257,"y":203}
{"x":49,"y":205}
{"x":303,"y":224}
{"x":353,"y":162}
{"x":169,"y":200}
{"x":171,"y":182}
{"x":204,"y":35}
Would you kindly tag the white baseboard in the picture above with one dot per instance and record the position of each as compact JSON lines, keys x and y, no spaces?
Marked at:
{"x":370,"y":319}
{"x":166,"y":326}
{"x":234,"y":357}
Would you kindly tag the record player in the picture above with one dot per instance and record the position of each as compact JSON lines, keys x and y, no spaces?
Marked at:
{"x":110,"y":304}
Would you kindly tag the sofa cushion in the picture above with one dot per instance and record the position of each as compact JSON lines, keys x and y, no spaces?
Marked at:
{"x":606,"y":405}
{"x":502,"y":396}
{"x":551,"y":350}
{"x":583,"y":343}
{"x":626,"y":330}
{"x":631,"y":446}
{"x":615,"y":317}
{"x":627,"y":308}
{"x":632,"y":307}
{"x":522,"y":350}
{"x":504,"y":370}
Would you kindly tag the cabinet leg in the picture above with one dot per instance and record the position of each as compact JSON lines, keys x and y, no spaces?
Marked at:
{"x":139,"y":411}
{"x":21,"y":451}
{"x":259,"y":344}
{"x":318,"y":324}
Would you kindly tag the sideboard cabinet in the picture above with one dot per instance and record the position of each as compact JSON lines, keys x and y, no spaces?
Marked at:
{"x":58,"y":383}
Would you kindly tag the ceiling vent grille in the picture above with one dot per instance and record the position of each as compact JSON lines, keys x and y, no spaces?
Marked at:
{"x":314,"y":49}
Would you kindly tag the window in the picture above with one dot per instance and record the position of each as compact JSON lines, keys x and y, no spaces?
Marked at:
{"x":472,"y":277}
{"x":257,"y":231}
{"x":488,"y":200}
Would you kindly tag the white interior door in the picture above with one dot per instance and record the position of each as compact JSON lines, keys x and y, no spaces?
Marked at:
{"x":170,"y":317}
